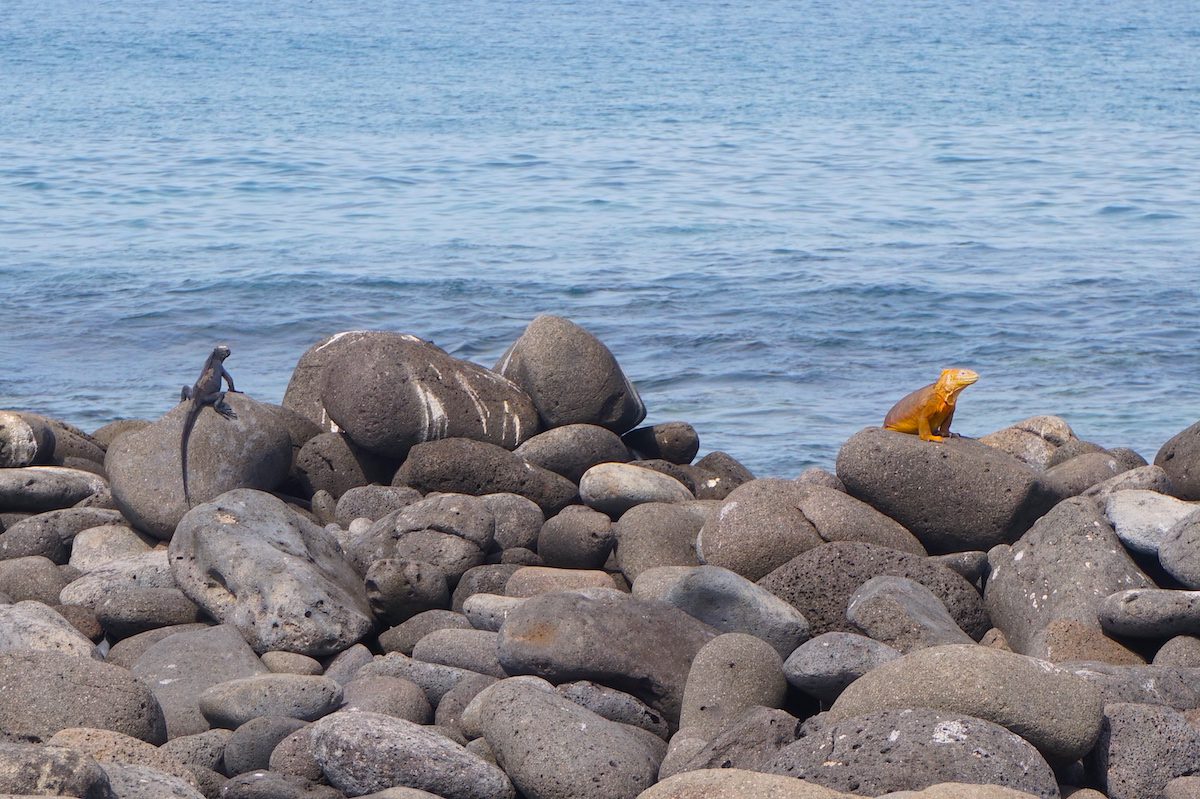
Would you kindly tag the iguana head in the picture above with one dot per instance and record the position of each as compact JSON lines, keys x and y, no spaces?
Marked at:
{"x":953,"y":381}
{"x":221,"y":352}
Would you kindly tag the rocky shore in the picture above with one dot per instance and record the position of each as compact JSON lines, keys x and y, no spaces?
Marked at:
{"x":419,"y":577}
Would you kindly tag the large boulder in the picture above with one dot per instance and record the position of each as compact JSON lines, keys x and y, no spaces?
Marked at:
{"x":44,"y":692}
{"x":571,"y":376}
{"x":44,"y":488}
{"x":24,"y":441}
{"x":954,"y":495}
{"x":389,"y":391}
{"x":250,"y":561}
{"x":1180,"y":459}
{"x":252,"y":451}
{"x":1060,"y":571}
{"x":757,"y":528}
{"x":642,"y":647}
{"x":33,"y":770}
{"x":1141,"y":749}
{"x":1056,"y":711}
{"x":820,"y":582}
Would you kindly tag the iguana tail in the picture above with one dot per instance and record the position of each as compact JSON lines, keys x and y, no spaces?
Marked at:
{"x":188,"y":422}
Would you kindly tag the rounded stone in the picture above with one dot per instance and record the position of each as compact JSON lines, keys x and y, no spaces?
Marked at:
{"x":248,"y":560}
{"x":1182,"y":650}
{"x":487,"y":579}
{"x":1151,"y":613}
{"x":44,"y":692}
{"x":128,"y":610}
{"x":373,"y":502}
{"x":757,"y":528}
{"x":822,"y":667}
{"x":572,"y":449}
{"x":518,"y":520}
{"x":24,"y":442}
{"x":529,"y":581}
{"x":106,"y":434}
{"x":45,"y":488}
{"x":730,"y":674}
{"x":616,"y":706}
{"x":576,"y":538}
{"x":1179,"y":457}
{"x":722,"y":473}
{"x":571,"y":376}
{"x":290,"y":663}
{"x":49,"y":534}
{"x":364,"y":752}
{"x":1053,"y":709}
{"x":129,"y":781}
{"x":97,"y":546}
{"x":32,"y":626}
{"x":1179,"y":551}
{"x":488,"y":611}
{"x":50,"y":771}
{"x":107,"y":746}
{"x":674,"y":442}
{"x":1141,"y":749}
{"x":400,"y":589}
{"x":148,"y":570}
{"x":391,"y":696}
{"x":730,"y":783}
{"x":233,"y":703}
{"x":34,"y":578}
{"x":252,"y":451}
{"x":614,"y":488}
{"x":474,"y":650}
{"x":903,"y":614}
{"x":404,"y":636}
{"x":1142,"y":519}
{"x":332,"y":462}
{"x":1076,"y":475}
{"x":1033,"y":440}
{"x":659,"y":534}
{"x":250,"y":746}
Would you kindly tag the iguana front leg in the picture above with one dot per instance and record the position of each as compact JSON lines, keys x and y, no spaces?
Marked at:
{"x":228,"y":381}
{"x":924,"y":431}
{"x":944,"y":428}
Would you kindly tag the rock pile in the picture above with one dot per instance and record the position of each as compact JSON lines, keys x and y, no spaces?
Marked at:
{"x":418,"y":577}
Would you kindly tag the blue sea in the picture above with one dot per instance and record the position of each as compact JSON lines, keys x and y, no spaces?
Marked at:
{"x":780,"y":216}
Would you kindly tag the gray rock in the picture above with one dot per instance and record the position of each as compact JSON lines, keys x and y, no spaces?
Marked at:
{"x":332,"y":462}
{"x":1147,"y":685}
{"x":641,"y":647}
{"x":148,"y":570}
{"x":1182,"y":650}
{"x":294,"y":756}
{"x":731,"y":782}
{"x":97,"y":546}
{"x":233,"y":703}
{"x":400,"y":589}
{"x":205,"y":749}
{"x":689,"y":476}
{"x":488,"y":579}
{"x":1141,"y":749}
{"x":861,"y":753}
{"x":823,"y":666}
{"x":576,"y":538}
{"x":1151,"y":613}
{"x":106,"y":434}
{"x":838,"y":516}
{"x":107,"y":746}
{"x":757,"y":528}
{"x":465,"y":517}
{"x":33,"y":578}
{"x":33,"y":626}
{"x":44,"y":692}
{"x":250,"y":746}
{"x":1179,"y":551}
{"x":903,"y":614}
{"x":674,"y":442}
{"x":727,"y":602}
{"x":70,"y":443}
{"x":364,"y":752}
{"x":454,"y":704}
{"x":571,"y":376}
{"x":44,"y":488}
{"x":616,"y":706}
{"x":389,"y":391}
{"x":182,"y":666}
{"x":518,"y":520}
{"x":128,"y":610}
{"x":452,"y":555}
{"x":280,"y":579}
{"x":50,"y":771}
{"x":273,"y":785}
{"x":555,"y":749}
{"x":251,"y":451}
{"x":24,"y":441}
{"x":290,"y":663}
{"x":730,"y":674}
{"x":433,"y":678}
{"x":344,"y":666}
{"x":750,"y":741}
{"x":129,"y":781}
{"x":1143,"y":478}
{"x":572,"y":449}
{"x":1179,"y":457}
{"x":1073,"y":449}
{"x":971,"y":565}
{"x":952,"y":495}
{"x":1062,"y":569}
{"x":1053,"y":709}
{"x":530,"y":581}
{"x":1033,"y":440}
{"x":820,"y":582}
{"x":723,"y":473}
{"x":373,"y":502}
{"x":463,"y":466}
{"x":474,"y":650}
{"x":659,"y":534}
{"x":303,"y":393}
{"x":404,"y":636}
{"x":488,"y":611}
{"x":614,"y":488}
{"x":1072,"y":477}
{"x":49,"y":534}
{"x":391,"y":696}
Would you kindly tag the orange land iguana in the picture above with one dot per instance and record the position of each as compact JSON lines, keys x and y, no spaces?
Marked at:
{"x":928,"y":411}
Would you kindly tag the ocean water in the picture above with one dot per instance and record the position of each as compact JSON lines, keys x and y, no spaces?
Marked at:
{"x":780,"y":216}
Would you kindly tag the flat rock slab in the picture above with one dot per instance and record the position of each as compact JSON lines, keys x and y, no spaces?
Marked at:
{"x":389,"y":391}
{"x":642,"y":647}
{"x":555,"y":749}
{"x":1141,"y":749}
{"x":1141,"y":519}
{"x":180,"y":667}
{"x":1053,"y":709}
{"x":820,"y":582}
{"x":361,"y":752}
{"x":571,"y":376}
{"x":953,"y":495}
{"x":44,"y":488}
{"x":861,"y":753}
{"x":31,"y":626}
{"x":252,"y":451}
{"x":44,"y":692}
{"x":727,"y":602}
{"x":250,"y":561}
{"x":823,"y":666}
{"x":1151,"y":613}
{"x":903,"y":614}
{"x":1061,"y":570}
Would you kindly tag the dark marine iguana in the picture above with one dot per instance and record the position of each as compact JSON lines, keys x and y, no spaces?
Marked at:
{"x":206,"y":391}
